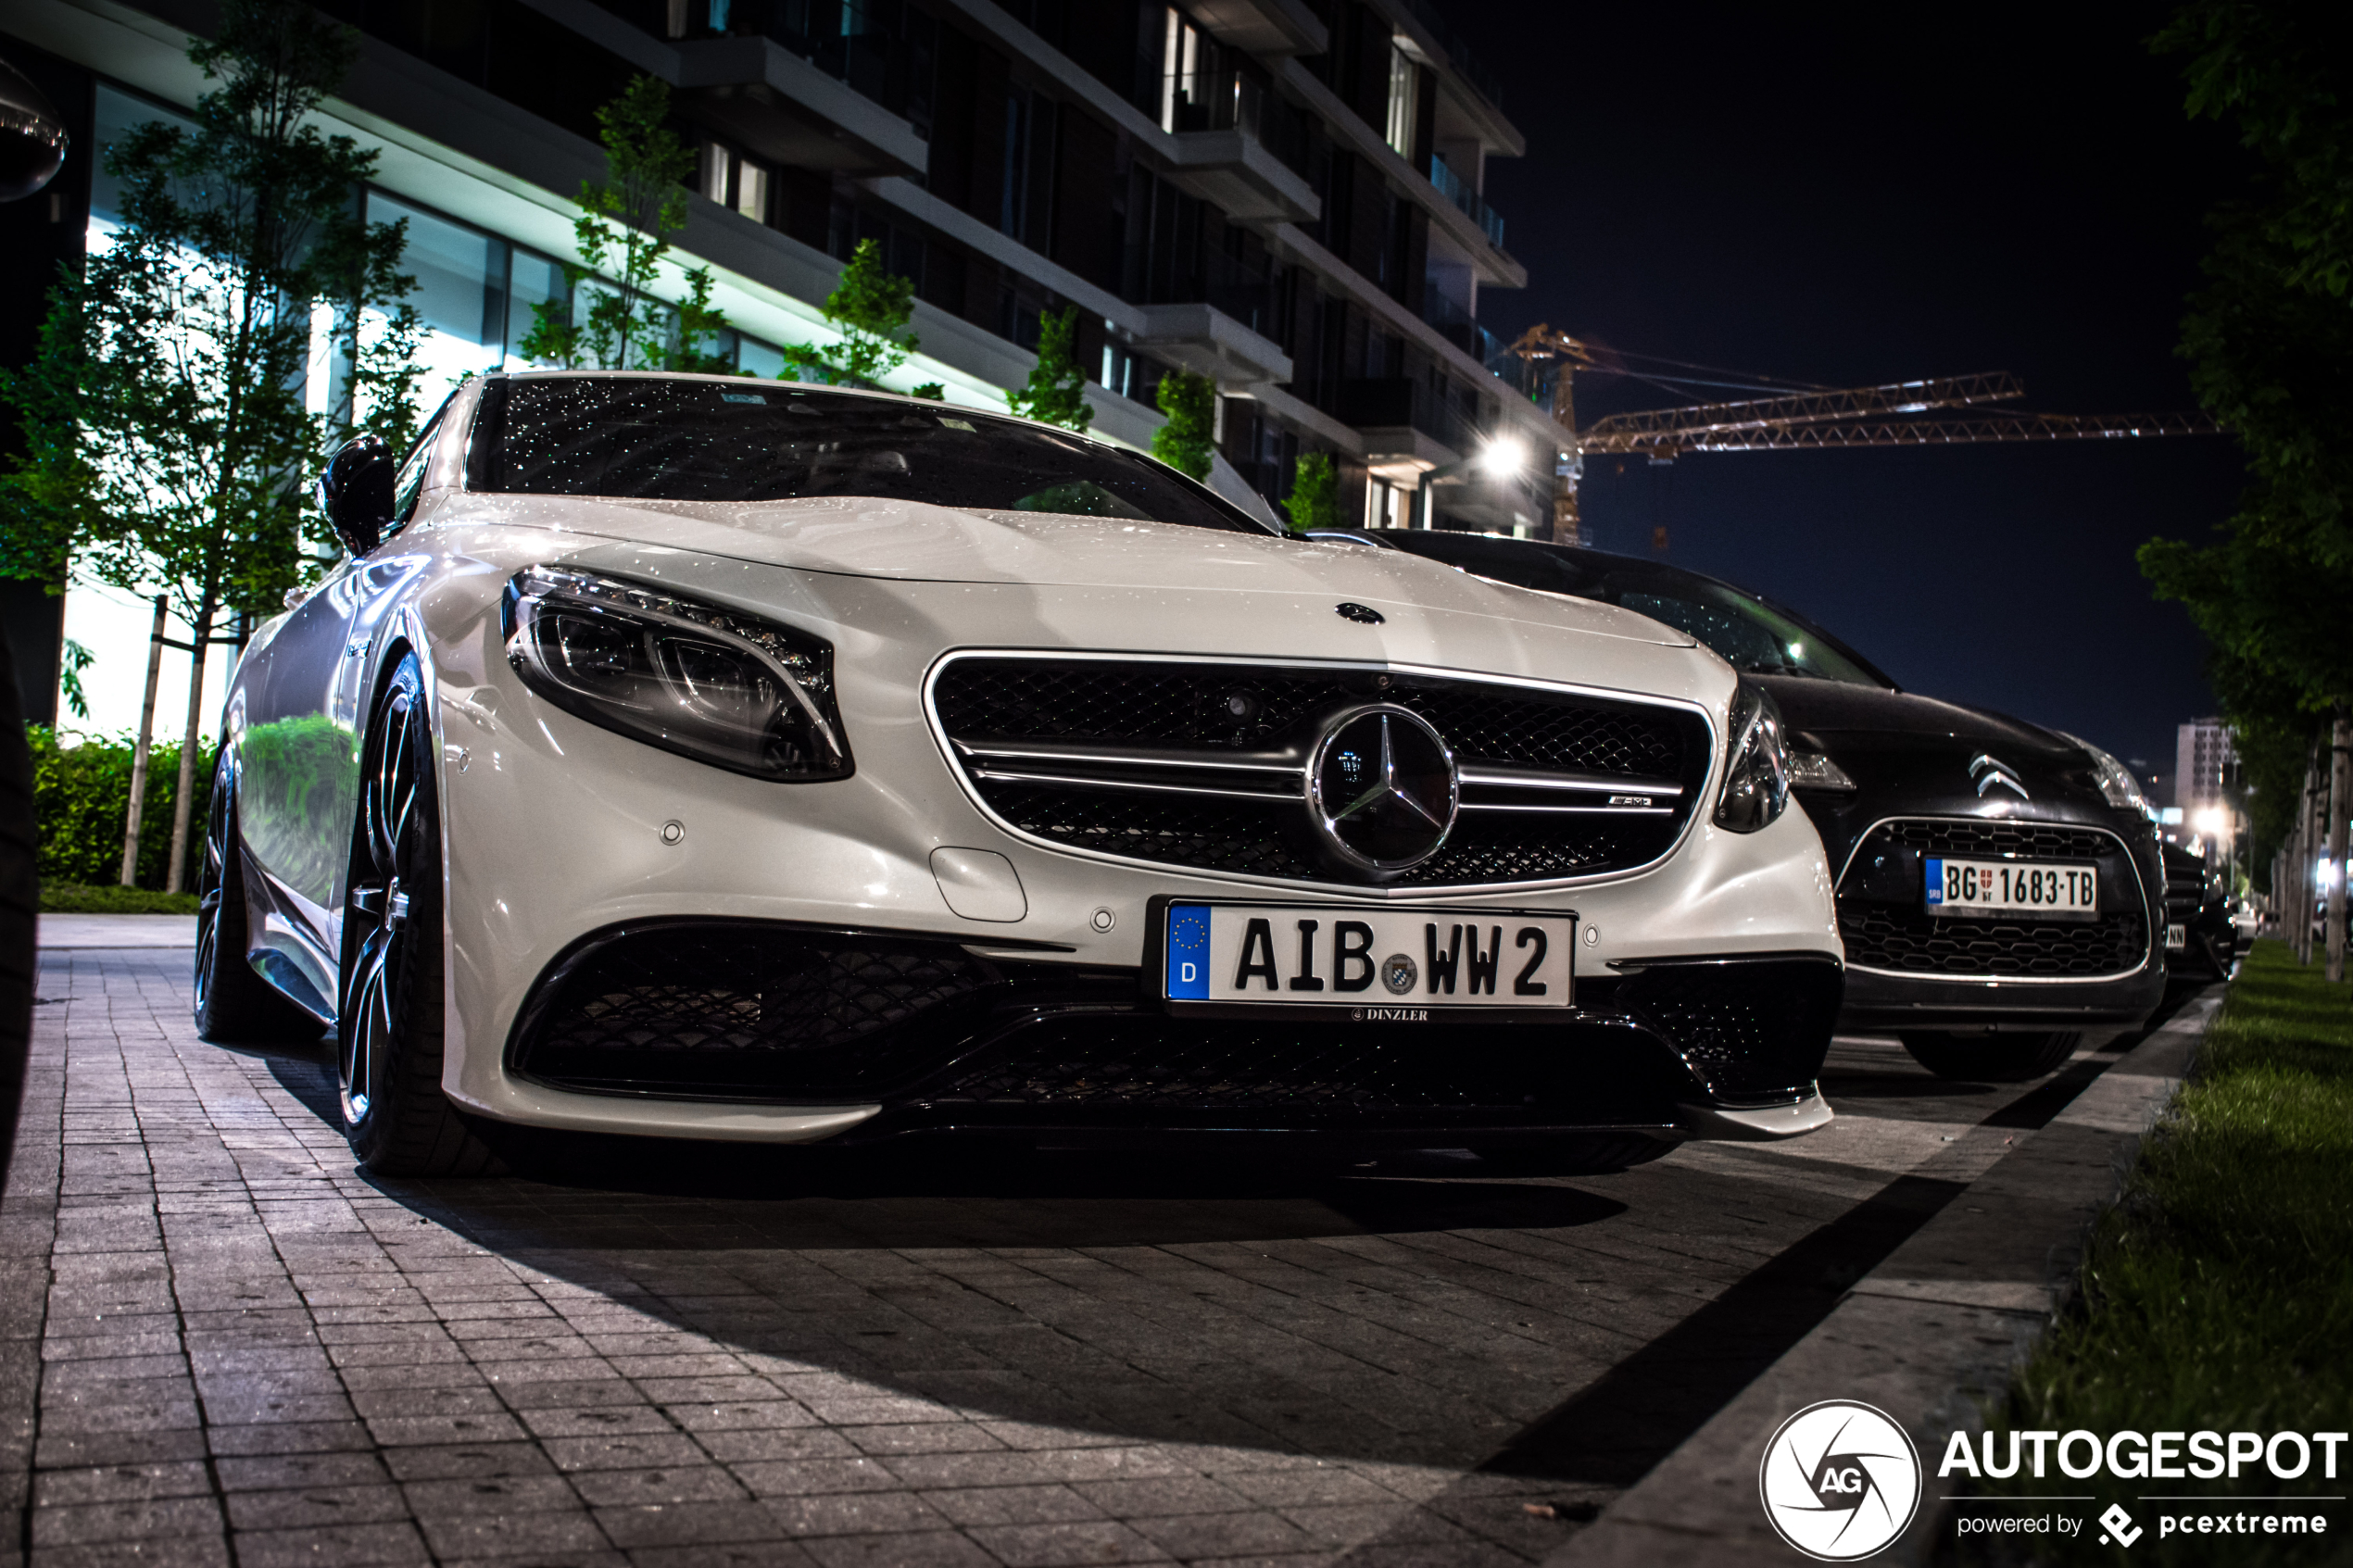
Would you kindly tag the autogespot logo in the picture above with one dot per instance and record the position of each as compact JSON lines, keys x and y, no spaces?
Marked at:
{"x":1840,"y":1480}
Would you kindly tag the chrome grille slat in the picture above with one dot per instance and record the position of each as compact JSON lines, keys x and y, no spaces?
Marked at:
{"x":1554,"y":785}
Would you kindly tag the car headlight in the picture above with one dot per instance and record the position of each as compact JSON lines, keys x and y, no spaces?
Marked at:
{"x":716,"y":684}
{"x":1756,"y":785}
{"x":2117,"y":782}
{"x":1811,"y":770}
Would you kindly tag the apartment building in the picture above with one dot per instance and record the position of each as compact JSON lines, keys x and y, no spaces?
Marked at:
{"x":1281,"y":195}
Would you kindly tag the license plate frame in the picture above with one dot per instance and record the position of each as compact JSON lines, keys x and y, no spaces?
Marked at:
{"x":1376,"y":1002}
{"x":2079,"y":878}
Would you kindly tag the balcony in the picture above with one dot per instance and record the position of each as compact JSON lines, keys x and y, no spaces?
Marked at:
{"x":1213,"y":318}
{"x":1403,"y":426}
{"x":1456,"y":189}
{"x":1239,"y":146}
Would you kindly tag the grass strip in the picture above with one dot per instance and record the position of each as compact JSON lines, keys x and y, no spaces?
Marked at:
{"x":75,"y":898}
{"x":2218,"y":1293}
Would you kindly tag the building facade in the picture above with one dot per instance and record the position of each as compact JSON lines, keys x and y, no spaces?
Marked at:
{"x":2205,"y":765}
{"x":1281,"y":195}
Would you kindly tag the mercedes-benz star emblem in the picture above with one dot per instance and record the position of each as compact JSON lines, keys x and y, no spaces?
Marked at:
{"x":1991,"y":771}
{"x":1382,"y":789}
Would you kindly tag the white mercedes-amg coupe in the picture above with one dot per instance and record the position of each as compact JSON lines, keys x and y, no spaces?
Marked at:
{"x":709,"y":757}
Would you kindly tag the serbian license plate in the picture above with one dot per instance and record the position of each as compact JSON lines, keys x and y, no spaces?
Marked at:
{"x":2012,"y":887}
{"x":1375,"y":963}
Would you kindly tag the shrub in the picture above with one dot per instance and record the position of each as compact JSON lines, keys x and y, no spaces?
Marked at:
{"x":1185,"y":443}
{"x":82,"y":797}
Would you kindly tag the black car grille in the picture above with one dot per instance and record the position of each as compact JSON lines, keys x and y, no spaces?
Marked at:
{"x":727,"y":1006}
{"x":1751,"y":1028}
{"x":1211,"y":708}
{"x":1884,"y":926}
{"x":1993,"y":840}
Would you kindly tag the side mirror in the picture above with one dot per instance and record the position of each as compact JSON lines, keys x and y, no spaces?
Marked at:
{"x":356,"y":492}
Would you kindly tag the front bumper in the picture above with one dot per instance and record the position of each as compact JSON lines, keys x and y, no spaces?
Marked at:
{"x":1893,"y":1004}
{"x":911,"y":1033}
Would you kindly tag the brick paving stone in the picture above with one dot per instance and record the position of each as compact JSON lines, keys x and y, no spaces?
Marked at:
{"x":216,"y":1334}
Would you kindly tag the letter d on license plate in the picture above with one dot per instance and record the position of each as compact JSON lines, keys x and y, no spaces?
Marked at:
{"x":1373,"y":963}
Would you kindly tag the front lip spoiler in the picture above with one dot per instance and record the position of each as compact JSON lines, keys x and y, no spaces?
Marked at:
{"x":1768,"y":1125}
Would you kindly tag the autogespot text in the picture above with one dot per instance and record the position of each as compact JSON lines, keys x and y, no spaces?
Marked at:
{"x":2133,"y":1456}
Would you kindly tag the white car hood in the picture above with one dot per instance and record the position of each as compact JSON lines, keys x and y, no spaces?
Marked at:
{"x":913,"y":542}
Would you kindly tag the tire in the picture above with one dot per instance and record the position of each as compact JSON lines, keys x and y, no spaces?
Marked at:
{"x":235,"y":1006}
{"x":389,"y":1051}
{"x":1993,"y":1058}
{"x":1574,"y":1155}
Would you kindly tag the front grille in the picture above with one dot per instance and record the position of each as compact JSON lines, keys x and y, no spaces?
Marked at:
{"x":1255,"y":711}
{"x":1993,"y":840}
{"x":1883,"y":921}
{"x":728,"y":1005}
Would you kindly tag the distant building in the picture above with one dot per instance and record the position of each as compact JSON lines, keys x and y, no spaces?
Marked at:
{"x":2202,"y":761}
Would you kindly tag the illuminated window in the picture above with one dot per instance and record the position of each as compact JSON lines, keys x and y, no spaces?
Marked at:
{"x":1405,"y":97}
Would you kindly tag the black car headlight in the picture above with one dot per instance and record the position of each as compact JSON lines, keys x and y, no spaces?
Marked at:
{"x":2117,"y":786}
{"x":716,"y":684}
{"x":1756,"y":784}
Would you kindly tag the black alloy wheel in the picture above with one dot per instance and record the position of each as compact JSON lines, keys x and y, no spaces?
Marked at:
{"x":389,"y":1054}
{"x":1993,"y":1058}
{"x":234,"y":1004}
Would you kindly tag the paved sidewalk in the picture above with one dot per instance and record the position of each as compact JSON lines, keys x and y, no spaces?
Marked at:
{"x":118,"y":931}
{"x":212,"y":1328}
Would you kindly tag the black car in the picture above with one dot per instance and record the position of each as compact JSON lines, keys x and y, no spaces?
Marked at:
{"x":2201,"y":942}
{"x":2000,"y":888}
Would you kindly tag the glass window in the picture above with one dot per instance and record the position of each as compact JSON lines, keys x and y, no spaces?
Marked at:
{"x":723,"y":440}
{"x":1405,"y":97}
{"x":117,"y":114}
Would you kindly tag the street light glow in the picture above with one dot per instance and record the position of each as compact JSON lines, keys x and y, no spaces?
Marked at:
{"x":2214,"y":821}
{"x":1502,"y":458}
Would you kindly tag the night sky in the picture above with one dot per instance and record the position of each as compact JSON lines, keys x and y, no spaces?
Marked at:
{"x":1874,"y":195}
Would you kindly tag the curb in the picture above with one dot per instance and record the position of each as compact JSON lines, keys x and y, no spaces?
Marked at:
{"x":1926,"y":1336}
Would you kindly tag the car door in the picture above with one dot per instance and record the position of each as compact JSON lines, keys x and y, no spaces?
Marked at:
{"x":298,"y":757}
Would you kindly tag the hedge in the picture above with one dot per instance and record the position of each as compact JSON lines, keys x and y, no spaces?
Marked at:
{"x":82,"y":795}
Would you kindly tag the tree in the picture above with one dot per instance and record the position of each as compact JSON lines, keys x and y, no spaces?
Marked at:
{"x":1187,"y":442}
{"x":623,"y":235}
{"x":1313,"y":501}
{"x":870,"y":308}
{"x":166,"y":428}
{"x":1056,"y":392}
{"x":2269,"y":341}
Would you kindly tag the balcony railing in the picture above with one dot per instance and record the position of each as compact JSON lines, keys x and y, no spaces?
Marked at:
{"x":1211,"y":99}
{"x":1455,"y":325}
{"x":1457,"y":52}
{"x":1456,"y":189}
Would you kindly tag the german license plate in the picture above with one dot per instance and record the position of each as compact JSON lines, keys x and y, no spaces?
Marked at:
{"x":1375,"y":963}
{"x":2057,"y":891}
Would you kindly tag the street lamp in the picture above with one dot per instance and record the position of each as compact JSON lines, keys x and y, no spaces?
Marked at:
{"x":1500,"y":457}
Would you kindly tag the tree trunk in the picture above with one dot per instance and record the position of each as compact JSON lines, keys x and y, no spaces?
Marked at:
{"x":139,"y":752}
{"x":2340,"y":797}
{"x":202,"y":637}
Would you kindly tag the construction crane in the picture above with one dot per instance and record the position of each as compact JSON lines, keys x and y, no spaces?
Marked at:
{"x":1815,"y":417}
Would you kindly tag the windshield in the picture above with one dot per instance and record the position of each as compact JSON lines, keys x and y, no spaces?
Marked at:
{"x":1753,"y":637}
{"x":740,"y":440}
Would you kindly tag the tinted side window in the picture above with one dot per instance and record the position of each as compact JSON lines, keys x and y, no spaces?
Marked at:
{"x":410,"y":482}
